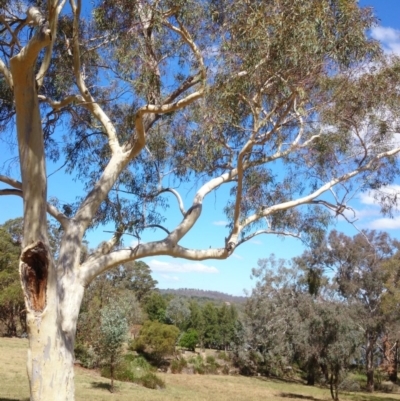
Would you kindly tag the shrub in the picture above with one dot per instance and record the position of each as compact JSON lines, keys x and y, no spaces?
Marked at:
{"x":150,"y":380}
{"x":135,"y":370}
{"x":198,"y":365}
{"x":189,"y":340}
{"x":177,"y":365}
{"x":159,"y":339}
{"x":225,"y":370}
{"x":223,"y":355}
{"x":87,"y":356}
{"x":210,"y":359}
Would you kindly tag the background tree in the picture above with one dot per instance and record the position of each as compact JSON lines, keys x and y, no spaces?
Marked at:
{"x":285,"y":325}
{"x":103,"y":293}
{"x":157,"y":339}
{"x":134,"y":276}
{"x":389,"y":307}
{"x":197,"y":321}
{"x":155,"y":307}
{"x":113,"y":330}
{"x":358,"y":266}
{"x":211,"y":328}
{"x":11,"y":297}
{"x":189,"y":340}
{"x":298,"y":108}
{"x":228,"y":320}
{"x":178,"y":312}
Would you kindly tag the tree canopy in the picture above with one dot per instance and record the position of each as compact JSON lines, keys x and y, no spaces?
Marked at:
{"x":286,"y":103}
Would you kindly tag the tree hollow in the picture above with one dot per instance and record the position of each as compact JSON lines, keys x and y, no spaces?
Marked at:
{"x":34,"y":273}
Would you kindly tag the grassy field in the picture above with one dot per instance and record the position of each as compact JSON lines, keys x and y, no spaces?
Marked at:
{"x":91,"y":387}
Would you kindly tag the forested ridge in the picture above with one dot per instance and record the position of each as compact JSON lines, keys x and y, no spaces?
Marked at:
{"x":192,"y":292}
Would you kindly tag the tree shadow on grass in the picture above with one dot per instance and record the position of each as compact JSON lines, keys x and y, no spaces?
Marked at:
{"x":8,"y":399}
{"x":369,"y":397}
{"x":100,"y":385}
{"x":299,"y":396}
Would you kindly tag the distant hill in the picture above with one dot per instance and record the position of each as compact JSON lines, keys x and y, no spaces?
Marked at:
{"x":214,"y":295}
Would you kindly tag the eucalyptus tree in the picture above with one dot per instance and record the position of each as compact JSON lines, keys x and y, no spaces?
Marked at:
{"x":270,"y":99}
{"x":362,"y":271}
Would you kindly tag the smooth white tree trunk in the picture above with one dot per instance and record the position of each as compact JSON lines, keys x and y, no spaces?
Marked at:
{"x":52,"y":332}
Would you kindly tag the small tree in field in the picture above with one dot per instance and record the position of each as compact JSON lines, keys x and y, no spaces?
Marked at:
{"x":189,"y":340}
{"x":157,"y":339}
{"x":269,"y":99}
{"x":114,"y":330}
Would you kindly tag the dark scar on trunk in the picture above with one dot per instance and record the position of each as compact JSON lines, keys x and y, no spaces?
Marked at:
{"x":34,"y":272}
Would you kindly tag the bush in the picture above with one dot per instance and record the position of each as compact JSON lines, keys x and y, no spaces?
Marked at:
{"x":189,"y":340}
{"x":198,"y":365}
{"x":225,"y":370}
{"x":87,"y":356}
{"x":223,"y":355}
{"x":177,"y":365}
{"x":210,"y":359}
{"x":349,"y":385}
{"x":135,"y":370}
{"x":150,"y":380}
{"x":158,"y":339}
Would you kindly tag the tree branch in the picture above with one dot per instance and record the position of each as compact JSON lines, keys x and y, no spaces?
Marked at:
{"x":267,"y":231}
{"x":11,"y":191}
{"x":90,"y":103}
{"x":10,"y":181}
{"x":310,"y":198}
{"x":93,"y":267}
{"x":51,"y":210}
{"x":177,"y":196}
{"x":53,"y":14}
{"x":57,"y":105}
{"x":7,"y":74}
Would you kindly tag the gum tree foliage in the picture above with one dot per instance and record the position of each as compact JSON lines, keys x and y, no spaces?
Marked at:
{"x":177,"y":312}
{"x":267,"y":98}
{"x":284,"y":324}
{"x":359,"y":266}
{"x":102,"y":294}
{"x":113,"y":334}
{"x":134,"y":276}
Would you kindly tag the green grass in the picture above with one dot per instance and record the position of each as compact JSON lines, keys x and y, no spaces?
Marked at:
{"x":91,"y":387}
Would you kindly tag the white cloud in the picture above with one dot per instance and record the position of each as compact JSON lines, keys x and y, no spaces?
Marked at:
{"x":173,"y":267}
{"x":134,"y":243}
{"x":367,"y":198}
{"x":367,"y":215}
{"x":236,"y":256}
{"x":220,"y":223}
{"x":256,"y":242}
{"x":385,"y":224}
{"x":169,"y":278}
{"x":389,"y":37}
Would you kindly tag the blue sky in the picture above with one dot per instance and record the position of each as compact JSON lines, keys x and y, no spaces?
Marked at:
{"x":232,"y":275}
